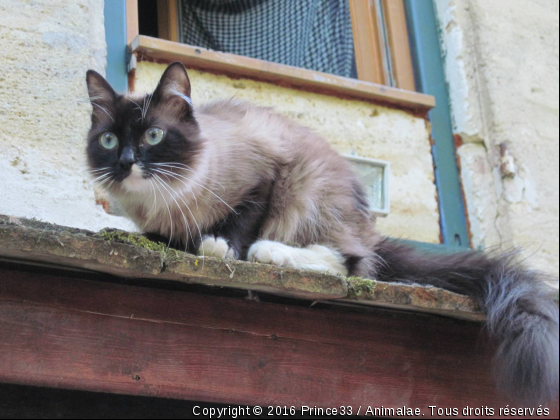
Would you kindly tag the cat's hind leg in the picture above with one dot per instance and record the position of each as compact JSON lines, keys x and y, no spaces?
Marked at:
{"x":313,"y":257}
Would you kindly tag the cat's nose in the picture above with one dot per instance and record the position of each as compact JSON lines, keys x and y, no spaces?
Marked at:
{"x":127,"y":158}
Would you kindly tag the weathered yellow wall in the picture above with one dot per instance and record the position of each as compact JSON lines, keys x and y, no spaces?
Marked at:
{"x":368,"y":130}
{"x":502,"y":66}
{"x":46,"y":47}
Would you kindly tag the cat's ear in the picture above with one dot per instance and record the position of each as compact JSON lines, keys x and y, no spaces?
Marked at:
{"x":101,"y":96}
{"x":174,"y":90}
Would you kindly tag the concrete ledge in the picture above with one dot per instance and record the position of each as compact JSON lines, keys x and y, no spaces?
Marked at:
{"x":131,"y":255}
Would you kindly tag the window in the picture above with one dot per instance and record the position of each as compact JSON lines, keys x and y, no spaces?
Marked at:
{"x":365,"y":39}
{"x":315,"y":35}
{"x":368,"y":40}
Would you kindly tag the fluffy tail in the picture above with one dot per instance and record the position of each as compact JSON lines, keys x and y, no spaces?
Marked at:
{"x":521,"y":314}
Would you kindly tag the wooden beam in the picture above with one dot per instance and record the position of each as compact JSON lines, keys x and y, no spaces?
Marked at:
{"x":168,"y":20}
{"x":119,"y":253}
{"x":367,"y":44}
{"x":395,"y":21}
{"x":68,"y":333}
{"x":159,"y":50}
{"x":132,"y":26}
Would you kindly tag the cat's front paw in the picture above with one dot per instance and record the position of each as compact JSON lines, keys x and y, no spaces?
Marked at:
{"x":269,"y":252}
{"x":216,"y":247}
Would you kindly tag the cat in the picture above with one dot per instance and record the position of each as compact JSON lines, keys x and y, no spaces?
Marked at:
{"x":233,"y":180}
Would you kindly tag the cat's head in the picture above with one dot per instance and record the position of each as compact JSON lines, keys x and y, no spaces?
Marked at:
{"x":135,"y":138}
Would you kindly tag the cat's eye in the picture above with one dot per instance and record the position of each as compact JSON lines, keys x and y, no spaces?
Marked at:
{"x":109,"y":141}
{"x":154,"y":136}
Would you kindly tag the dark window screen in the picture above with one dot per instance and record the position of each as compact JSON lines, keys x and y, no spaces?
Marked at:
{"x":313,"y":34}
{"x":148,"y":18}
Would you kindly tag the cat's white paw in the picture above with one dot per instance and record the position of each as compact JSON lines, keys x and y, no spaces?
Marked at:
{"x":269,"y":252}
{"x":216,"y":247}
{"x":314,"y":257}
{"x":333,"y":261}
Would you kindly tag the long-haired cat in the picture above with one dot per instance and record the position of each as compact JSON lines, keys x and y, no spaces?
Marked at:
{"x":234,"y":180}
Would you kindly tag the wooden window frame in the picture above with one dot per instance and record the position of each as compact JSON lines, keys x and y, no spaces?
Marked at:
{"x":168,"y":20}
{"x":373,"y":83}
{"x":369,"y":44}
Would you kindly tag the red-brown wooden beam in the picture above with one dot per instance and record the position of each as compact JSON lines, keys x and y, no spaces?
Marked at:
{"x":98,"y":336}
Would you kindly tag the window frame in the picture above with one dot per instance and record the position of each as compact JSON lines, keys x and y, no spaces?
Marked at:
{"x":369,"y":46}
{"x":371,"y":84}
{"x":123,"y":42}
{"x":160,"y":50}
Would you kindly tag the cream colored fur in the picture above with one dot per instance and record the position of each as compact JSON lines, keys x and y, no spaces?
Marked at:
{"x":312,"y":202}
{"x":216,"y":247}
{"x":313,"y":257}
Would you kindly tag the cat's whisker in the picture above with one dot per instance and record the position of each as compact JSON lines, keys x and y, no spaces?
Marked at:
{"x":194,"y":220}
{"x":155,"y":201}
{"x":100,"y":173}
{"x":147,"y":102}
{"x":137,"y":107}
{"x":210,"y":191}
{"x":110,"y":185}
{"x":150,"y":101}
{"x":188,"y":229}
{"x":184,"y":202}
{"x":109,"y":180}
{"x":170,"y":217}
{"x":104,"y":110}
{"x":188,"y":168}
{"x":144,"y":107}
{"x":102,"y":177}
{"x":188,"y":232}
{"x":99,"y":169}
{"x":153,"y":211}
{"x":192,"y":215}
{"x":99,"y":176}
{"x":134,"y":102}
{"x":178,"y":167}
{"x":175,"y":176}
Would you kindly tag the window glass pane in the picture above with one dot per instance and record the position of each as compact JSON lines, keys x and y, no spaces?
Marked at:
{"x":313,"y":34}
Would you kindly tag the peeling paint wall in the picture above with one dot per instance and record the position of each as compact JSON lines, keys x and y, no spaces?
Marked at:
{"x":350,"y":126}
{"x":46,"y":47}
{"x":502,"y":65}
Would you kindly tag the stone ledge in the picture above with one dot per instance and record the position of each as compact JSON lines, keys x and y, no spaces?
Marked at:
{"x":132,"y":256}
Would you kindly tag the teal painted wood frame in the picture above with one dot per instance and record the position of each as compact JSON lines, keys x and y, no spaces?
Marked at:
{"x":430,"y":79}
{"x":115,"y":36}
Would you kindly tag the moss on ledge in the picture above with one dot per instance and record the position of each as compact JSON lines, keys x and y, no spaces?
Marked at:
{"x":131,"y":255}
{"x":134,"y":239}
{"x":360,"y":288}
